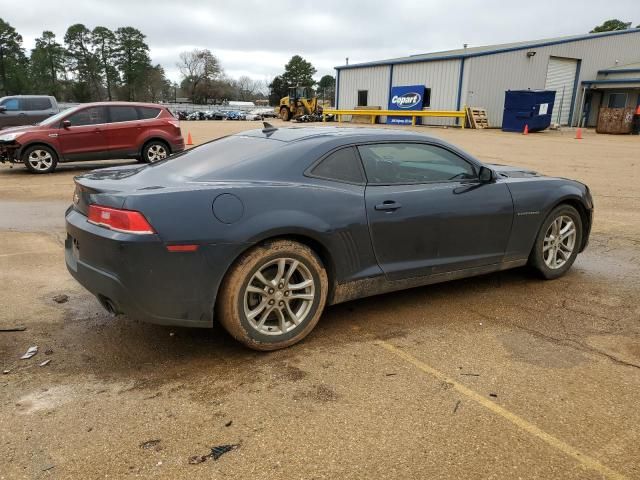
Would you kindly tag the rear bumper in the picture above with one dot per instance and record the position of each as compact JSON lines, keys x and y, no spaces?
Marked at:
{"x":137,"y":276}
{"x":177,"y":147}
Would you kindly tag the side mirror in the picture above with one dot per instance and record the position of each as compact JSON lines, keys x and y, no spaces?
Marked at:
{"x":66,"y":123}
{"x":485,"y":174}
{"x":3,"y":109}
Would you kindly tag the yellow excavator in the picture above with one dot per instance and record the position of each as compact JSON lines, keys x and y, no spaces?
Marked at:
{"x":301,"y":101}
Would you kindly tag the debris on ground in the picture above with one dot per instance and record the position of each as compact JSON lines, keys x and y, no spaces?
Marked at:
{"x":216,"y":453}
{"x":455,"y":409}
{"x":494,"y":395}
{"x":471,"y":374}
{"x":150,"y":444}
{"x":390,"y":374}
{"x":30,"y":353}
{"x":61,"y":298}
{"x":228,"y":424}
{"x":48,"y":351}
{"x":13,"y":329}
{"x":6,"y":372}
{"x":45,"y":363}
{"x":48,"y":467}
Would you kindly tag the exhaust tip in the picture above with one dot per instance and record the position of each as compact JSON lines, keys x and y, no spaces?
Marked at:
{"x":108,"y":305}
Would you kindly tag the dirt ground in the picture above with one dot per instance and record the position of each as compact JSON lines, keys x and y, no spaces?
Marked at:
{"x":499,"y":376}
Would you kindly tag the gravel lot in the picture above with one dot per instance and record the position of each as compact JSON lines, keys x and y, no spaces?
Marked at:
{"x":499,"y":376}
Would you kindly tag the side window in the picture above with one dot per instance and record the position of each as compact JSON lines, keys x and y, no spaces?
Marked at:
{"x":88,"y":116}
{"x":145,"y":113}
{"x":617,"y":100}
{"x":362,"y":98}
{"x":342,"y":166}
{"x":11,"y":104}
{"x":35,"y":104}
{"x":123,"y":114}
{"x":406,"y":163}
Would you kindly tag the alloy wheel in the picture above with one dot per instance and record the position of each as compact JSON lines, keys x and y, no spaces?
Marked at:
{"x":279,"y":296}
{"x":40,"y":160}
{"x":559,"y":242}
{"x":156,"y":152}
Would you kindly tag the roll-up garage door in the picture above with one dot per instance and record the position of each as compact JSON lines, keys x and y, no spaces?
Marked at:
{"x":561,"y":76}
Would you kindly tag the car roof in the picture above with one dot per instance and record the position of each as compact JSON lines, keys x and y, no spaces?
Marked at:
{"x":119,"y":104}
{"x":347,"y":134}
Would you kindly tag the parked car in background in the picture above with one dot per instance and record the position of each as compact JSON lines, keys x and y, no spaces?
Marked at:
{"x":94,"y":131}
{"x":264,"y":228}
{"x":26,"y":109}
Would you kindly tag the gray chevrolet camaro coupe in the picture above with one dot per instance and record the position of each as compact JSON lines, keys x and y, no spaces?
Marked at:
{"x":264,"y":228}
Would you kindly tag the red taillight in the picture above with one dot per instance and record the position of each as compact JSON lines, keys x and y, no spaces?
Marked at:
{"x":127,"y":221}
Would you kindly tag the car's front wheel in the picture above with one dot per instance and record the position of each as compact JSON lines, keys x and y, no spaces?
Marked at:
{"x":273,"y":295}
{"x":40,"y":159}
{"x":154,"y":151}
{"x":558,"y":242}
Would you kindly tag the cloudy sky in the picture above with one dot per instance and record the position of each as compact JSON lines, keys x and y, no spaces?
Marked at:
{"x":257,"y":37}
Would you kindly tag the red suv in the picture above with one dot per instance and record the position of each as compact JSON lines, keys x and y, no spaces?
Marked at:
{"x":94,"y":131}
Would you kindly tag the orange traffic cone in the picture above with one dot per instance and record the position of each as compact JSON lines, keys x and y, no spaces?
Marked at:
{"x":578,"y":133}
{"x":526,"y":129}
{"x":189,"y":139}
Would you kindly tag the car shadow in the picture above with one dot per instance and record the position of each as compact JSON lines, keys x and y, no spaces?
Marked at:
{"x":118,"y":348}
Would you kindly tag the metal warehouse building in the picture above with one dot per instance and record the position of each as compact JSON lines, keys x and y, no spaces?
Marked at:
{"x":586,"y":71}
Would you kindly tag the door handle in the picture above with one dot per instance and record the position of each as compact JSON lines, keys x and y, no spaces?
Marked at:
{"x":388,"y":205}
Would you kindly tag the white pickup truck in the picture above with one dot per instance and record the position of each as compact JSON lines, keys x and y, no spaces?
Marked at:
{"x":18,"y":110}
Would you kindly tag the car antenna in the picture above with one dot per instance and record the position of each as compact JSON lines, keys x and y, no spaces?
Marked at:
{"x":268,"y":128}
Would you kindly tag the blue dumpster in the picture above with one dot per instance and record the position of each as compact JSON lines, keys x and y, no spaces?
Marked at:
{"x":527,"y":107}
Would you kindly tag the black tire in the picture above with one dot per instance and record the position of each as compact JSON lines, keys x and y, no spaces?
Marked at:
{"x":154,"y":151}
{"x":40,"y":159}
{"x":264,"y":331}
{"x":540,"y":257}
{"x":285,"y":115}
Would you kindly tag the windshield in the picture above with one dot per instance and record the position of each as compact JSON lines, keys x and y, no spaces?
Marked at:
{"x":58,"y":116}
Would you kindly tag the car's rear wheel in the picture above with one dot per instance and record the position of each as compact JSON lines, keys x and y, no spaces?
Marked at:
{"x":40,"y":159}
{"x":154,"y":151}
{"x":558,"y":242}
{"x":273,"y":296}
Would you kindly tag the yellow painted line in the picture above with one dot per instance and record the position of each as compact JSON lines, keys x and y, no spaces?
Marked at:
{"x":585,"y":460}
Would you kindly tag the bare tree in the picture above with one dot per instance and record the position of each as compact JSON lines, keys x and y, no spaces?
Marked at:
{"x":199,"y":69}
{"x":247,"y":87}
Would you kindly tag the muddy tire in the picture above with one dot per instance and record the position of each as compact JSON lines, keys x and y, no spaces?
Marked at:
{"x":40,"y":159}
{"x":285,"y":114}
{"x":557,"y":243}
{"x":273,"y":296}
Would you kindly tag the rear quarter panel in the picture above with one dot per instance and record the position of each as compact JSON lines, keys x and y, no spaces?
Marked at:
{"x":330,"y":214}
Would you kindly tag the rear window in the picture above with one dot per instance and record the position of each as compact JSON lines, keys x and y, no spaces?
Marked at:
{"x":123,"y":114}
{"x":341,"y":166}
{"x":38,"y":104}
{"x":148,"y":112}
{"x":211,"y":160}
